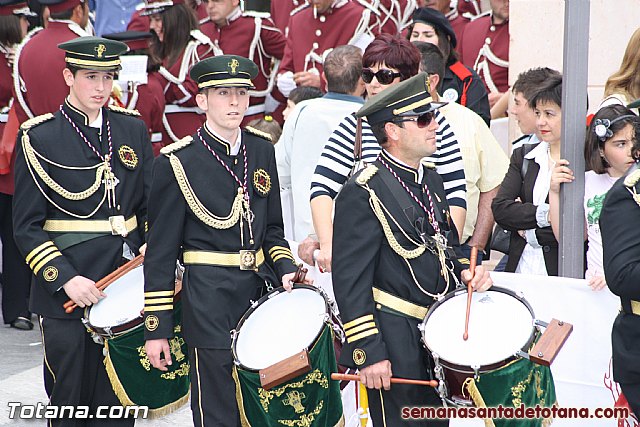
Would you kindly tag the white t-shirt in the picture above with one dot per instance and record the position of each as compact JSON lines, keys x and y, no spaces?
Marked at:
{"x":596,"y":187}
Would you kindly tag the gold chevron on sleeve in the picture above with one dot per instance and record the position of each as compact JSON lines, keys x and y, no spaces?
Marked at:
{"x":37,"y":250}
{"x":362,"y":335}
{"x":359,"y":320}
{"x":46,"y":260}
{"x":154,"y":294}
{"x":149,"y":309}
{"x":360,"y":328}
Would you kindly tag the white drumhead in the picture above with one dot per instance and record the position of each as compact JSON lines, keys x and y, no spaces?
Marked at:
{"x":499,"y":326}
{"x":280,"y":327}
{"x":125,"y":299}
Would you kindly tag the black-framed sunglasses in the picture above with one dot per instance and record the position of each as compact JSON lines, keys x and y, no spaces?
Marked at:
{"x":422,"y":120}
{"x":384,"y":75}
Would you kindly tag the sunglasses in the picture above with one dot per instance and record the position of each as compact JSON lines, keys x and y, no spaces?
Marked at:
{"x":384,"y":75}
{"x":422,"y":121}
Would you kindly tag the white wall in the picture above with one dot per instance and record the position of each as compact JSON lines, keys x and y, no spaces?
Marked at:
{"x":537,"y":32}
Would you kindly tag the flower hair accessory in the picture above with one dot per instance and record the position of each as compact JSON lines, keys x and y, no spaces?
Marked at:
{"x":602,"y":126}
{"x":602,"y":130}
{"x":268,"y":118}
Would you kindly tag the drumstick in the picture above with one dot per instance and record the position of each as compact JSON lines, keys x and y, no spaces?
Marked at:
{"x":472,"y":269}
{"x":301,"y":274}
{"x":348,"y":377}
{"x":102,"y":284}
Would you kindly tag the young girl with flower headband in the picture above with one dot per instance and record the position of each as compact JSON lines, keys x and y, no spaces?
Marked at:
{"x":607,"y":152}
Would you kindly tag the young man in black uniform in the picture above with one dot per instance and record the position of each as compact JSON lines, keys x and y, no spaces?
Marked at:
{"x":393,"y":253}
{"x":82,"y":177}
{"x":214,"y":200}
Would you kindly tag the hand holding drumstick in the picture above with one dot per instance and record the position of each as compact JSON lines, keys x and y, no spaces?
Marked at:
{"x":477,"y":279}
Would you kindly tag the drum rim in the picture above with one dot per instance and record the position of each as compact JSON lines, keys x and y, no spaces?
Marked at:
{"x":466,"y":369}
{"x":254,"y":307}
{"x":122,"y":328}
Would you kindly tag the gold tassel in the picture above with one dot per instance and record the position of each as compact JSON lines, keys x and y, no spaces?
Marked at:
{"x":471,"y":387}
{"x":243,"y":416}
{"x":124,"y":398}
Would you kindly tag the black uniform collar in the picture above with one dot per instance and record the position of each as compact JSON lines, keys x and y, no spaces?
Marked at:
{"x":215,"y":142}
{"x":406,"y":173}
{"x":76,"y":115}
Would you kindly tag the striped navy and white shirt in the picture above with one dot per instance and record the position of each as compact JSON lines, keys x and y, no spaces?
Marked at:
{"x":337,"y":161}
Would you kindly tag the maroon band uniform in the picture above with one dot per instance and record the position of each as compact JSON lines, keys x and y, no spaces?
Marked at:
{"x":395,"y":15}
{"x":310,"y":36}
{"x":485,"y":48}
{"x":42,"y":89}
{"x":182,"y":117}
{"x":281,"y":10}
{"x":251,"y":36}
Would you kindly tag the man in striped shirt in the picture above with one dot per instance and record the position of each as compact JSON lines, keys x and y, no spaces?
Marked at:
{"x":337,"y":159}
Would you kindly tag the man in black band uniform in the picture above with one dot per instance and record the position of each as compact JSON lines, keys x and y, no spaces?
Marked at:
{"x":214,"y":200}
{"x":82,"y":177}
{"x":393,"y":253}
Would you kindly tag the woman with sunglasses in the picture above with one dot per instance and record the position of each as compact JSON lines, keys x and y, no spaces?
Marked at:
{"x":386,"y":61}
{"x":459,"y":83}
{"x":522,"y":203}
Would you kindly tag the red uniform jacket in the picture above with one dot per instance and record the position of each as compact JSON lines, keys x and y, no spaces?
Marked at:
{"x":395,"y":15}
{"x":492,"y":64}
{"x":240,"y":37}
{"x":310,"y":37}
{"x":281,"y":10}
{"x":182,"y":117}
{"x":458,"y":23}
{"x":41,"y":87}
{"x":40,"y":64}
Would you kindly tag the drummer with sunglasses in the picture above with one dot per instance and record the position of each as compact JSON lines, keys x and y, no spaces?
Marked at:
{"x":395,"y":253}
{"x":214,"y":202}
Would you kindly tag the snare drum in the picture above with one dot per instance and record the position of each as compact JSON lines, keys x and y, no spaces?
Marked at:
{"x":121,"y":311}
{"x":501,"y":325}
{"x":259,"y":341}
{"x":274,"y":328}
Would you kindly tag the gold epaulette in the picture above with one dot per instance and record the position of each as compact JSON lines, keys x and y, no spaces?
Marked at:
{"x":428,"y":165}
{"x":366,"y":174}
{"x":36,"y":121}
{"x":259,"y":133}
{"x":126,"y":111}
{"x":178,"y":145}
{"x":632,"y":179}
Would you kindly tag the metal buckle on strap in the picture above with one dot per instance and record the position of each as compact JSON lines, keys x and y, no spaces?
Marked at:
{"x":115,"y":225}
{"x":244,"y":259}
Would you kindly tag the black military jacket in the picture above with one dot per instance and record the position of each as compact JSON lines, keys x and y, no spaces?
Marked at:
{"x":54,"y":138}
{"x":363,"y":259}
{"x":214,"y":297}
{"x":621,"y":260}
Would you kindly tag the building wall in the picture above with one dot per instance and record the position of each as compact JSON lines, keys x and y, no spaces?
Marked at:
{"x":537,"y":33}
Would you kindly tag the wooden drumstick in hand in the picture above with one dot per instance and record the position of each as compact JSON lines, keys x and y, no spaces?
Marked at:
{"x":472,"y":268}
{"x":102,"y":284}
{"x":348,"y":377}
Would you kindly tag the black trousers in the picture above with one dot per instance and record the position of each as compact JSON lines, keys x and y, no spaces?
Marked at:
{"x":74,"y":372}
{"x":409,"y":359}
{"x":16,"y":276}
{"x":213,"y":390}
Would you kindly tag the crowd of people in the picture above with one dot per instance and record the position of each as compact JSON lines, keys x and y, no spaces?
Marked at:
{"x":213,"y":133}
